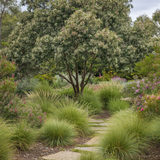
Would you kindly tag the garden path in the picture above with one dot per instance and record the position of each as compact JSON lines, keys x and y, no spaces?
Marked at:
{"x":99,"y":126}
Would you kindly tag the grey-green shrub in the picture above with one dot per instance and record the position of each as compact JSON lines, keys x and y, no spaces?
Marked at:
{"x":93,"y":102}
{"x":127,"y":136}
{"x":23,"y":137}
{"x":71,"y":112}
{"x":57,"y":133}
{"x":26,"y":85}
{"x":6,"y":147}
{"x":116,"y":105}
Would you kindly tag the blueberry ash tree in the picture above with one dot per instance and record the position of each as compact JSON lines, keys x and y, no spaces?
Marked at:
{"x":80,"y":43}
{"x":43,"y":22}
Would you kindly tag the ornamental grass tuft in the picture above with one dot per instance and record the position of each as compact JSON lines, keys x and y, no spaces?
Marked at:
{"x":73,"y":113}
{"x":127,"y":136}
{"x":23,"y":137}
{"x":44,"y":98}
{"x":6,"y":147}
{"x":116,"y":105}
{"x":57,"y":133}
{"x":109,"y":90}
{"x":93,"y":102}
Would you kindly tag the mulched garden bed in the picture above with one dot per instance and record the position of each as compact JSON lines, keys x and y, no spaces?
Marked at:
{"x":39,"y":150}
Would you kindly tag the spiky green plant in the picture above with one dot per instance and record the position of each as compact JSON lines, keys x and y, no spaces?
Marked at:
{"x":115,"y":105}
{"x":23,"y":136}
{"x":44,"y":98}
{"x":109,"y":90}
{"x":127,"y":136}
{"x":73,"y":113}
{"x":57,"y":133}
{"x":90,"y":97}
{"x":6,"y":147}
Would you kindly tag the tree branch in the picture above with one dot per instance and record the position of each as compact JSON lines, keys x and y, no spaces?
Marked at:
{"x":65,"y":78}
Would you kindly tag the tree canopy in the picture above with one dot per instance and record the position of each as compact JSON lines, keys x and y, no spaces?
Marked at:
{"x":39,"y":38}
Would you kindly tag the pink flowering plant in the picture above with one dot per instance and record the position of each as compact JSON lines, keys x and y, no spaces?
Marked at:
{"x":148,"y":105}
{"x":136,"y":88}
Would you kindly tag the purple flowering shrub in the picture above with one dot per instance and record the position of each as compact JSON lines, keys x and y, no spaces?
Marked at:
{"x":139,"y":87}
{"x":148,"y":105}
{"x":119,"y":79}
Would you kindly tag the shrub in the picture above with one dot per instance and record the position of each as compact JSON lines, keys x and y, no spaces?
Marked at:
{"x":116,"y":105}
{"x":139,"y":87}
{"x":127,"y":136}
{"x":57,"y":133}
{"x":92,"y":100}
{"x":59,"y":82}
{"x":26,"y":85}
{"x":13,"y":108}
{"x":67,"y":91}
{"x":48,"y":77}
{"x":149,"y":66}
{"x":34,"y":115}
{"x":71,"y":112}
{"x":23,"y":137}
{"x":107,"y":91}
{"x":148,"y":105}
{"x":6,"y":147}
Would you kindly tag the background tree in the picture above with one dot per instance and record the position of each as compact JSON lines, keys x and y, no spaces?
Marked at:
{"x":7,"y":6}
{"x":34,"y":4}
{"x":50,"y":22}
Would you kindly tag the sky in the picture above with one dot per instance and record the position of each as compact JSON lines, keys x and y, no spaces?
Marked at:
{"x":140,"y":7}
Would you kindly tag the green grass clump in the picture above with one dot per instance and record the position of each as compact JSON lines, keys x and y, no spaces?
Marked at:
{"x":71,"y":112}
{"x":23,"y":137}
{"x":116,"y":105}
{"x":57,"y":133}
{"x":93,"y":102}
{"x":44,"y":98}
{"x":6,"y":147}
{"x":109,"y":91}
{"x":127,"y":136}
{"x":155,"y":130}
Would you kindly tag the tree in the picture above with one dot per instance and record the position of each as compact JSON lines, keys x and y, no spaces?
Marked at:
{"x":7,"y":6}
{"x":34,"y":4}
{"x":50,"y":22}
{"x":114,"y":15}
{"x":80,"y":44}
{"x":8,"y":24}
